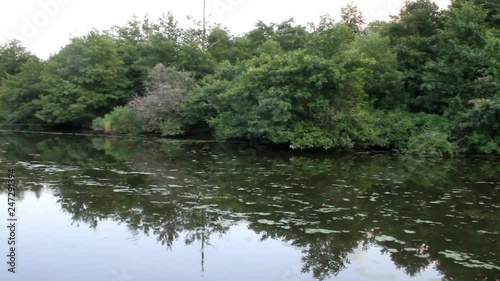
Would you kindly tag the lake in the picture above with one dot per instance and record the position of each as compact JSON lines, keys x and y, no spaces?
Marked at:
{"x":94,"y":208}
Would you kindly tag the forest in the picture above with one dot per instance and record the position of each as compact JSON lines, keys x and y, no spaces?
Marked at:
{"x":426,"y":82}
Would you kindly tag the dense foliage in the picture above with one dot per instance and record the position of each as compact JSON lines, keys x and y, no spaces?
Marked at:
{"x":427,"y":82}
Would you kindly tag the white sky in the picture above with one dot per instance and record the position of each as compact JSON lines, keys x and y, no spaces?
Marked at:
{"x":44,"y":26}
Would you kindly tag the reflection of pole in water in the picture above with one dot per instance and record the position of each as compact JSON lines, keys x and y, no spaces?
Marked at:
{"x":203,"y":252}
{"x":203,"y":241}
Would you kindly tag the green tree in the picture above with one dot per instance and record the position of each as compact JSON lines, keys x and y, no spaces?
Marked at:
{"x":296,"y":98}
{"x":207,"y":103}
{"x":373,"y":55}
{"x":413,"y":34}
{"x":289,"y":36}
{"x":258,"y":36}
{"x":492,"y":8}
{"x":84,"y":80}
{"x":20,"y":92}
{"x":476,"y":127}
{"x":192,"y":58}
{"x":144,"y":44}
{"x":328,"y":39}
{"x":12,"y":56}
{"x":467,"y":65}
{"x":222,"y":46}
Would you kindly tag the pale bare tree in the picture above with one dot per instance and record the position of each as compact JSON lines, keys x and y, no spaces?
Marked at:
{"x":166,"y":88}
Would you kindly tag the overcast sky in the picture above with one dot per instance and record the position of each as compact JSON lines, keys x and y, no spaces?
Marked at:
{"x":44,"y":26}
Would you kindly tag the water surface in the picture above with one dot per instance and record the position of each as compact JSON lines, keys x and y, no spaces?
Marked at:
{"x":125,"y":209}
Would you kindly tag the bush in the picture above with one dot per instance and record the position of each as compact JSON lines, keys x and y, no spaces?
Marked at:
{"x":416,"y":133}
{"x":98,"y":124}
{"x":476,"y":128}
{"x":171,"y":127}
{"x":431,"y":144}
{"x":121,"y":120}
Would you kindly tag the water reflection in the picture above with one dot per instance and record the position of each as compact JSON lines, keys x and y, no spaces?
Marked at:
{"x":422,"y":214}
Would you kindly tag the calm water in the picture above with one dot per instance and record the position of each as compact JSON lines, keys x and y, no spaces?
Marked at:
{"x":120,"y":209}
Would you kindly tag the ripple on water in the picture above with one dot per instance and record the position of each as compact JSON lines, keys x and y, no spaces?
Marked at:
{"x":320,"y":231}
{"x":268,"y":222}
{"x":467,"y":260}
{"x":386,"y":238}
{"x":130,"y":173}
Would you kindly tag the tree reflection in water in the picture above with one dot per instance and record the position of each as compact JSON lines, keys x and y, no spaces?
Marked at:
{"x":423,"y":213}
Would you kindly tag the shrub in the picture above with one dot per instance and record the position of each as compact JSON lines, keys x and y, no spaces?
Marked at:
{"x":98,"y":124}
{"x":171,"y":127}
{"x":431,"y":144}
{"x":416,"y":133}
{"x":121,"y":120}
{"x":476,"y":128}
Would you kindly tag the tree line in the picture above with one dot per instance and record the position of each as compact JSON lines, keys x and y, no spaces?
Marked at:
{"x":425,"y":82}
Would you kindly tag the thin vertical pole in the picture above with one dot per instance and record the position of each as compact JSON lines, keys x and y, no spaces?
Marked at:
{"x":204,"y":20}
